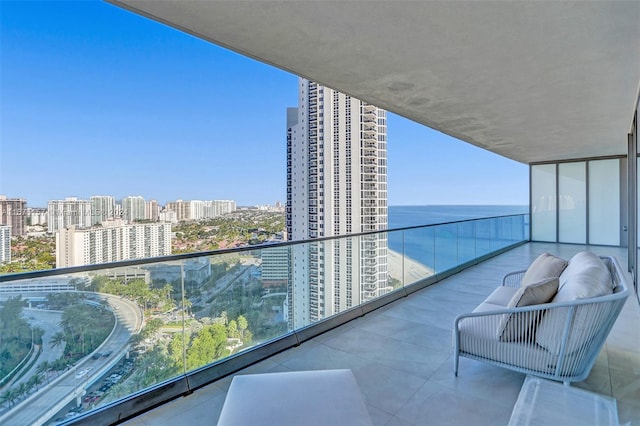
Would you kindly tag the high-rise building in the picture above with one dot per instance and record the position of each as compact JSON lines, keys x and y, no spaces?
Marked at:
{"x":5,"y":244}
{"x":152,"y":210}
{"x":336,"y":185}
{"x":197,"y":209}
{"x":181,"y":208}
{"x":13,"y":214}
{"x":36,"y":216}
{"x":133,"y":208}
{"x":68,"y":212}
{"x":103,"y":207}
{"x":112,"y":242}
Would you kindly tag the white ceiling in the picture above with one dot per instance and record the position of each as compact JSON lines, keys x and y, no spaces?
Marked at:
{"x":532,"y":81}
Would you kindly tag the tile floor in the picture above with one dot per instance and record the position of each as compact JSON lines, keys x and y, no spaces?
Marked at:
{"x":401,"y":356}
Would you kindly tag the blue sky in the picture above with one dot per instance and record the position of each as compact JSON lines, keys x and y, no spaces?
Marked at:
{"x":95,"y":100}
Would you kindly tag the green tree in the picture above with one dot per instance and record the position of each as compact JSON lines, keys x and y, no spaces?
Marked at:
{"x":232,"y":329}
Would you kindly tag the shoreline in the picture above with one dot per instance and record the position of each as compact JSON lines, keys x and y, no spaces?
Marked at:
{"x":413,"y":270}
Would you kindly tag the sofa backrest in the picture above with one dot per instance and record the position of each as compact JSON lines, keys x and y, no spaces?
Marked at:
{"x":587,"y":278}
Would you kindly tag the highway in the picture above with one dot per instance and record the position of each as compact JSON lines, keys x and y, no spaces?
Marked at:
{"x":44,"y":404}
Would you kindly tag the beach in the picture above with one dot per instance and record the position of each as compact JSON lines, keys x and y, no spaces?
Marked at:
{"x":413,"y":270}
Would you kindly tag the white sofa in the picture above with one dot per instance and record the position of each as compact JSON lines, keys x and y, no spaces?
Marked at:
{"x":549,"y":321}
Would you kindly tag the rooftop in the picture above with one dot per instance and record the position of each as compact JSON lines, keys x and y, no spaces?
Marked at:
{"x":401,"y":357}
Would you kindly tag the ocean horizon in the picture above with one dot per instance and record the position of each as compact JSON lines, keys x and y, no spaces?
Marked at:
{"x":420,"y":244}
{"x":416,"y":215}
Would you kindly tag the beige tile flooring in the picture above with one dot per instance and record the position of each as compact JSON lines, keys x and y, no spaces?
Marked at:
{"x":401,"y":356}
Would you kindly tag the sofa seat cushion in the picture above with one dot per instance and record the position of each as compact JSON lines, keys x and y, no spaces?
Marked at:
{"x":501,"y":296}
{"x":585,"y":277}
{"x":545,"y":266}
{"x":521,"y":326}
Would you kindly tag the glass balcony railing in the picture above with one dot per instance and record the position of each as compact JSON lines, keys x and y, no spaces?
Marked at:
{"x":129,"y":335}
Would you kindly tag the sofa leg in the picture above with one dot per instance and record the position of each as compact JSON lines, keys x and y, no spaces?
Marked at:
{"x":455,"y":365}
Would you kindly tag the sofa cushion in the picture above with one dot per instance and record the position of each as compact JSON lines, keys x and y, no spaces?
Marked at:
{"x":545,"y":266}
{"x":518,"y":326}
{"x":501,"y":296}
{"x":585,"y":277}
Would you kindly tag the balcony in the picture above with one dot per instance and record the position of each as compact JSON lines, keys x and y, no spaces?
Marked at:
{"x":400,"y":353}
{"x":401,"y":357}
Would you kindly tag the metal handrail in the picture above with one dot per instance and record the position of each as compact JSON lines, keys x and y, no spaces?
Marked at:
{"x":184,"y":256}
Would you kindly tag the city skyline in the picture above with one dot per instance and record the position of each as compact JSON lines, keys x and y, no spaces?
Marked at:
{"x":97,"y":100}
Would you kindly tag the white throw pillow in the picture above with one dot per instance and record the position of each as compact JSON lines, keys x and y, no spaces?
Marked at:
{"x":545,"y":266}
{"x":520,"y":326}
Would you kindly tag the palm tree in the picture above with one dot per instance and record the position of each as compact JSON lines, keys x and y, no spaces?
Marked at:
{"x":43,"y":368}
{"x":9,"y":396}
{"x":35,"y":380}
{"x":57,"y":339}
{"x":22,"y":390}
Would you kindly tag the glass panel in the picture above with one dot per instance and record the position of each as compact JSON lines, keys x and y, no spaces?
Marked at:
{"x":419,"y":254}
{"x":543,"y":202}
{"x":604,"y":202}
{"x":446,"y":247}
{"x":466,"y":241}
{"x":483,"y":237}
{"x":110,"y":333}
{"x":572,"y":184}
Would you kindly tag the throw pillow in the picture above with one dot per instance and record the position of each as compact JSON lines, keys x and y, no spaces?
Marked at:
{"x":545,"y":266}
{"x":520,"y":326}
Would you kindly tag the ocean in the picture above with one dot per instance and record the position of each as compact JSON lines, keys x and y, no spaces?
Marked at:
{"x":403,"y":216}
{"x":447,"y":246}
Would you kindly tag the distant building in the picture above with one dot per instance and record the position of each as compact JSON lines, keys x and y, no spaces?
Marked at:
{"x":197,"y":271}
{"x":181,"y":208}
{"x":275,"y":266}
{"x":168,"y":216}
{"x":197,"y":209}
{"x":133,"y":208}
{"x":68,"y":212}
{"x":152,"y":210}
{"x":103,"y":207}
{"x":36,"y":216}
{"x":13,"y":214}
{"x":112,"y":242}
{"x":5,"y":244}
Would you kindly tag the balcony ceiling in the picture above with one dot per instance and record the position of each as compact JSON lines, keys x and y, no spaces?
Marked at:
{"x":531,"y":81}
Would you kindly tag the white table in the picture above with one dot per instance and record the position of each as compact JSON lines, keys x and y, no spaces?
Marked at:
{"x":322,"y":397}
{"x":544,"y":402}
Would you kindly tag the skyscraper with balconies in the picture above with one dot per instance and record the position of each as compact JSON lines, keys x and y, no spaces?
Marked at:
{"x":70,"y":211}
{"x":336,"y":185}
{"x":5,"y":244}
{"x":103,"y":207}
{"x":13,"y":214}
{"x":133,"y":208}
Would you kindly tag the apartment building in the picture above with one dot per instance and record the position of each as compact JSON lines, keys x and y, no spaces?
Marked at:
{"x":103,"y":207}
{"x":336,"y":185}
{"x":5,"y":244}
{"x":13,"y":214}
{"x":71,"y":211}
{"x":112,"y":242}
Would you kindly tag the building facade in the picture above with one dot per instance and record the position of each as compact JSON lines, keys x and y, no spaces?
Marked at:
{"x":13,"y":214}
{"x":68,"y":212}
{"x":5,"y":244}
{"x":133,"y":208}
{"x":152,"y":210}
{"x":103,"y":207}
{"x":336,"y":185}
{"x":112,"y":242}
{"x":198,"y":209}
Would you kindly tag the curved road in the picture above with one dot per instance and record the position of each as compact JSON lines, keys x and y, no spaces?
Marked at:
{"x":41,"y":406}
